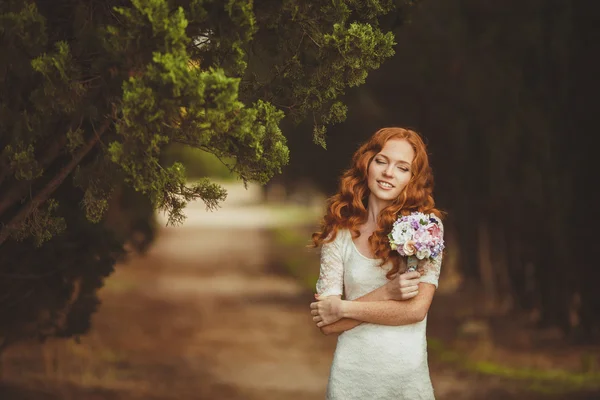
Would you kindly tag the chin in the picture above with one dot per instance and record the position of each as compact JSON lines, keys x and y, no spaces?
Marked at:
{"x":386,"y":196}
{"x":389,"y":198}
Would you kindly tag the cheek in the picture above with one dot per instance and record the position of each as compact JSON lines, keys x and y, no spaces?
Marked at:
{"x":404,"y":179}
{"x":372,"y":171}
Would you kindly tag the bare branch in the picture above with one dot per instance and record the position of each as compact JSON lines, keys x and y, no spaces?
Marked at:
{"x":20,"y":190}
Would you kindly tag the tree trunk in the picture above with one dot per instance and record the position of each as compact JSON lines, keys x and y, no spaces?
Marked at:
{"x":584,"y":116}
{"x":500,"y":261}
{"x":486,"y":268}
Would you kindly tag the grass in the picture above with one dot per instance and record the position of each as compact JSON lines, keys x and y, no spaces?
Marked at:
{"x":298,"y":260}
{"x":550,"y":381}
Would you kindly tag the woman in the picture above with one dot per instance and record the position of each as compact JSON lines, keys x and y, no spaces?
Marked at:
{"x":381,"y":352}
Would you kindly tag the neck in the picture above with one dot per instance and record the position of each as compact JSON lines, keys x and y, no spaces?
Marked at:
{"x":374,"y":207}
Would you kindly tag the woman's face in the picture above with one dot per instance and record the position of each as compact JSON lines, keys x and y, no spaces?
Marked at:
{"x":390,"y":170}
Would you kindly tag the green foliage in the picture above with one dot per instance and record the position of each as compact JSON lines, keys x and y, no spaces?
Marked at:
{"x":42,"y":225}
{"x":61,"y":91}
{"x":198,"y":163}
{"x":305,"y":54}
{"x":23,"y":161}
{"x":74,"y":139}
{"x":92,"y":94}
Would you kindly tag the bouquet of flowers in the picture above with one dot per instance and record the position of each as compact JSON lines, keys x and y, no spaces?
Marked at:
{"x":416,"y":236}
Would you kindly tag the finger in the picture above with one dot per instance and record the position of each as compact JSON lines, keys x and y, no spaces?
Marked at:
{"x":409,"y":294}
{"x":409,"y":283}
{"x":410,"y":274}
{"x":409,"y":289}
{"x":415,"y":289}
{"x":317,"y":296}
{"x":320,"y":324}
{"x":314,"y":312}
{"x":412,"y":280}
{"x":317,"y":318}
{"x":314,"y":305}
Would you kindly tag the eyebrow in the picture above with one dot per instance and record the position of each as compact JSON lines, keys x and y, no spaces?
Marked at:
{"x":399,"y":161}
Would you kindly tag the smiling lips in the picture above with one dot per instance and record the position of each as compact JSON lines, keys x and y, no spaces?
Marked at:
{"x":385,"y":185}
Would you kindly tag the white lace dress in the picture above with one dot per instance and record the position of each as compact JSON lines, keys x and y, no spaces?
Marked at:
{"x":373,"y":361}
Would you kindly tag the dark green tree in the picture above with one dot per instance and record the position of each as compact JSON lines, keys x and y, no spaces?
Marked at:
{"x":91,"y":94}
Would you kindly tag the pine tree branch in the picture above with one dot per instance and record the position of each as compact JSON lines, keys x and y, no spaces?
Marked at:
{"x":43,"y":195}
{"x":20,"y":189}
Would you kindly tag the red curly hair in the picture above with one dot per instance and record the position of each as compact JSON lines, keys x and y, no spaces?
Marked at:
{"x":347,"y":209}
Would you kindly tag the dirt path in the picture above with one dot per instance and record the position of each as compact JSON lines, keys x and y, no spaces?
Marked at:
{"x":243,"y":328}
{"x":206,"y":306}
{"x":198,"y":317}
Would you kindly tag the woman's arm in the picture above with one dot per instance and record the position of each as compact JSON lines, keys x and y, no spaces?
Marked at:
{"x":391,"y":312}
{"x":335,"y":315}
{"x":338,"y":315}
{"x":382,"y":293}
{"x":404,"y":287}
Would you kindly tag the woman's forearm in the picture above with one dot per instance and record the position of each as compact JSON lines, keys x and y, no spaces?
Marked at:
{"x":391,"y":312}
{"x":388,"y":312}
{"x":342,"y":325}
{"x":345,"y":324}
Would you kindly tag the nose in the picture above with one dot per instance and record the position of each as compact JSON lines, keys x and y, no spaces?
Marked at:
{"x":388,"y":170}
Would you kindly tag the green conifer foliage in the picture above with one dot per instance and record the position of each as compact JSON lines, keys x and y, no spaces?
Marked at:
{"x":91,"y":93}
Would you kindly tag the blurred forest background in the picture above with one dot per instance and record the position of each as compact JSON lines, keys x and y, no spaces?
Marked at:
{"x":504,"y":93}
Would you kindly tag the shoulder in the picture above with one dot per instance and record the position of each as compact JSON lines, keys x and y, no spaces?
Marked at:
{"x":339,"y":242}
{"x":340,"y":236}
{"x":341,"y":239}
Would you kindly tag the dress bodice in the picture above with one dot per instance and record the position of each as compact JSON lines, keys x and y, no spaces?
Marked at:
{"x":345,"y":271}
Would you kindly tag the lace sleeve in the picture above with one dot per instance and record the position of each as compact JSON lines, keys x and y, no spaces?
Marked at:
{"x":331,"y":275}
{"x":431,"y":268}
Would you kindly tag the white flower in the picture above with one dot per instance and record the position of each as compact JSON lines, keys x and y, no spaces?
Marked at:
{"x":423,"y":253}
{"x":402,"y":233}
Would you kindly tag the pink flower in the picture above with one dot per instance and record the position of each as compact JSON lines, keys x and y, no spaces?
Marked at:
{"x":422,"y":236}
{"x":434,"y":230}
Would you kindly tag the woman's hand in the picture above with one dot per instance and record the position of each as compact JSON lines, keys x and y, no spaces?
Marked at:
{"x":327,"y":310}
{"x":404,"y":287}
